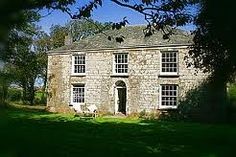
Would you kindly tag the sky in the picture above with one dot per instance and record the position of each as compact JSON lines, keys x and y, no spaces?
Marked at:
{"x":109,"y":12}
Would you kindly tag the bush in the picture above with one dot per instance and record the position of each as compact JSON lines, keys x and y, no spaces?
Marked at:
{"x":40,"y":98}
{"x":14,"y":94}
{"x":151,"y":115}
{"x":133,"y":115}
{"x":142,"y":114}
{"x":232,"y":94}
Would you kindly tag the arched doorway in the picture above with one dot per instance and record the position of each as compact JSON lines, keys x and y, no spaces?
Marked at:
{"x":120,"y":97}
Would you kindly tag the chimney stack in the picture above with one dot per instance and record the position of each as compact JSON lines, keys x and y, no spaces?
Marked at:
{"x":68,"y":40}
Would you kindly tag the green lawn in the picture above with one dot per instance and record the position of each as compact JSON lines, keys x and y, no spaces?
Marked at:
{"x":40,"y":134}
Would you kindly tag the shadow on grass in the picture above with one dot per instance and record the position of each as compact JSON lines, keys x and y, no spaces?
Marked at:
{"x":206,"y":103}
{"x":32,"y":134}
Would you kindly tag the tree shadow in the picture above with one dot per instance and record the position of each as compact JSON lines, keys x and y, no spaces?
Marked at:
{"x":56,"y":135}
{"x":203,"y":104}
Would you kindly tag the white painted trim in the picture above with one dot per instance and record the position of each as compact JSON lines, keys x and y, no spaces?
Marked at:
{"x":160,"y":97}
{"x":114,"y":64}
{"x":76,"y":106}
{"x":78,"y":74}
{"x":73,"y":65}
{"x":177,"y":61}
{"x":169,"y":73}
{"x":116,"y":98}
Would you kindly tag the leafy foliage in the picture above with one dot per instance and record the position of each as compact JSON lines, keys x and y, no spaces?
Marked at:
{"x":14,"y":94}
{"x":84,"y":27}
{"x":5,"y":80}
{"x":20,"y":60}
{"x":57,"y":35}
{"x":17,"y":13}
{"x":158,"y":14}
{"x":213,"y":50}
{"x":214,"y":38}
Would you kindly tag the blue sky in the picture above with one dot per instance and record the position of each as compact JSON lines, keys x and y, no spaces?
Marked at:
{"x":109,"y":12}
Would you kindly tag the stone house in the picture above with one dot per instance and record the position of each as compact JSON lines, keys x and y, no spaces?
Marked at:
{"x":141,"y":73}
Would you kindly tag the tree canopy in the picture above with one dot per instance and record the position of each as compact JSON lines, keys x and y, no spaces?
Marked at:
{"x":214,"y":48}
{"x":157,"y":13}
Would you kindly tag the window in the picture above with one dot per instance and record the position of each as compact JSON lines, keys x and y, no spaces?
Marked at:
{"x":169,"y":63}
{"x":121,"y":63}
{"x":78,"y":64}
{"x":77,"y":94}
{"x":168,"y":96}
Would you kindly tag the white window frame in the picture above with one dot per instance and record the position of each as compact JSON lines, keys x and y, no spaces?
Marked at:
{"x":114,"y":64}
{"x":73,"y":64}
{"x":177,"y":63}
{"x":72,"y":94}
{"x":160,"y":97}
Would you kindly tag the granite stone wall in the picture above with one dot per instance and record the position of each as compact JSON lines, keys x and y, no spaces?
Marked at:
{"x":142,"y":82}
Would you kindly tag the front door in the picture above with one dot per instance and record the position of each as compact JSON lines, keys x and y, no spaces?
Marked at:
{"x":121,"y":100}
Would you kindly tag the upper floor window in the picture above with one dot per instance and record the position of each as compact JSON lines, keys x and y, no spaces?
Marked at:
{"x":169,"y":63}
{"x":168,"y":96}
{"x":77,"y":94}
{"x":121,"y":63}
{"x":78,"y":64}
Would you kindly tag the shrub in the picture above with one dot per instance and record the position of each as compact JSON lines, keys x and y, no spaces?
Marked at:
{"x":142,"y":114}
{"x":14,"y":94}
{"x":40,"y":98}
{"x":133,"y":115}
{"x":151,"y":115}
{"x":232,"y":94}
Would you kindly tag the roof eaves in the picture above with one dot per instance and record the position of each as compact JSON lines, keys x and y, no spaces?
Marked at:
{"x":117,"y":48}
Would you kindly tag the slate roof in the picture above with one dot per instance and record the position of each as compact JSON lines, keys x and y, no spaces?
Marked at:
{"x":133,"y":37}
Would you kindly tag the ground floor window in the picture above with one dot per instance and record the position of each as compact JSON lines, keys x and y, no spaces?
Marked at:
{"x":78,"y":94}
{"x":168,"y":96}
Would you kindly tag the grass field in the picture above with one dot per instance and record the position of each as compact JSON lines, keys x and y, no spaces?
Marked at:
{"x":31,"y":133}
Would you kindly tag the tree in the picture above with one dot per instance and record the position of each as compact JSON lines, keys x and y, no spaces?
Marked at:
{"x":23,"y":64}
{"x":157,"y":13}
{"x":214,"y":51}
{"x":21,"y":60}
{"x":82,"y":28}
{"x":12,"y":13}
{"x":5,"y":81}
{"x":42,"y":44}
{"x":77,"y":29}
{"x":57,"y":35}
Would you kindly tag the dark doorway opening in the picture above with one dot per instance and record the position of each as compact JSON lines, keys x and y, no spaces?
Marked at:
{"x":122,"y":100}
{"x":121,"y":96}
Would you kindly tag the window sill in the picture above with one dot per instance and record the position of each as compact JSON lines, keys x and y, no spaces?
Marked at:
{"x":120,"y":75}
{"x":168,"y":75}
{"x":168,"y":108}
{"x":79,"y":75}
{"x":74,"y":104}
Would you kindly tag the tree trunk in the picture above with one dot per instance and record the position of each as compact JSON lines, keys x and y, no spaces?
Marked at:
{"x":31,"y":92}
{"x":44,"y":85}
{"x":24,"y":94}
